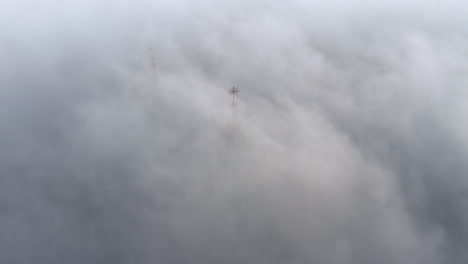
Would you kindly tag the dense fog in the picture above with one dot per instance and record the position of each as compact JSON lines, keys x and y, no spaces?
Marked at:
{"x":349,"y":144}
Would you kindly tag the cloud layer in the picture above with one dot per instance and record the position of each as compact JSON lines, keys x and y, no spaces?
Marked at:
{"x":349,"y":145}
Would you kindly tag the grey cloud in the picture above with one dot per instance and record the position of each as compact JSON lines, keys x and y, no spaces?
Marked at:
{"x":348,"y":146}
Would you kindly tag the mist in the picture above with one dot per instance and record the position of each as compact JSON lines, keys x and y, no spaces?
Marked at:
{"x":348,"y":145}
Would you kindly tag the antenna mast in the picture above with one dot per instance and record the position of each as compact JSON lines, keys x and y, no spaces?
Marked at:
{"x":152,"y":63}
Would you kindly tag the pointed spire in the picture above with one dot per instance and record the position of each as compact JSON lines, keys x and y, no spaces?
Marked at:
{"x":152,"y":62}
{"x":234,"y":91}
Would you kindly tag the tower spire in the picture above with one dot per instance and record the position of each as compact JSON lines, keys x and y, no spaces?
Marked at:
{"x":152,"y":62}
{"x":234,"y":91}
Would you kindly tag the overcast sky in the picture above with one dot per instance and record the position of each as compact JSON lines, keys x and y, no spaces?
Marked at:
{"x":349,"y":146}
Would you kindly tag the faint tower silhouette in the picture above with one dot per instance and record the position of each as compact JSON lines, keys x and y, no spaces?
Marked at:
{"x":234,"y":91}
{"x":152,"y":63}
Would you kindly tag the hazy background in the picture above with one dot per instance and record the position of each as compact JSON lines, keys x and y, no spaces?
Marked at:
{"x":349,"y":147}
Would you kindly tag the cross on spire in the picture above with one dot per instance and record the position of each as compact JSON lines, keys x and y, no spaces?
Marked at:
{"x":234,"y":91}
